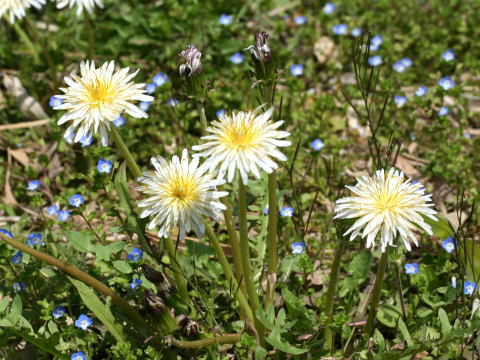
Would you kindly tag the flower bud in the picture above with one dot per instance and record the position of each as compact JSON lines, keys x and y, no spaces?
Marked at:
{"x":262,"y":56}
{"x":192,"y":72}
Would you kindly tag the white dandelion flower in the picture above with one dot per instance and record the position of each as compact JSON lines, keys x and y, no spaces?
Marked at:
{"x":16,"y":8}
{"x":390,"y":205}
{"x":97,"y":97}
{"x":88,"y":5}
{"x":181,"y":194}
{"x":243,"y":140}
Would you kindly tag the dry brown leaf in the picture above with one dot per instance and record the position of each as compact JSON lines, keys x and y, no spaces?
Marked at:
{"x":405,"y":165}
{"x":20,"y":155}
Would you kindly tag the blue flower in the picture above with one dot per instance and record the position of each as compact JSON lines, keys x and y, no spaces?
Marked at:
{"x":407,"y":62}
{"x":151,"y":88}
{"x":454,"y":282}
{"x":225,"y":19}
{"x":17,"y":287}
{"x":144,"y":105}
{"x":356,"y":32}
{"x":317,"y":144}
{"x":420,"y":187}
{"x":448,"y":244}
{"x":339,"y":29}
{"x":237,"y":58}
{"x":6,"y":232}
{"x":58,"y":312}
{"x":173,"y":102}
{"x":376,"y":41}
{"x":467,"y":135}
{"x":421,"y":91}
{"x":469,"y":287}
{"x":399,"y":66}
{"x":83,"y":322}
{"x":300,"y":20}
{"x":52,"y":210}
{"x":135,"y":255}
{"x":296,"y":69}
{"x":78,"y":356}
{"x":286,"y":211}
{"x":446,"y":83}
{"x":35,"y":239}
{"x":120,"y":121}
{"x":17,"y":258}
{"x":411,"y":269}
{"x":63,"y":215}
{"x":399,"y":100}
{"x":375,"y":60}
{"x":221,"y":113}
{"x":448,"y":55}
{"x":76,"y":200}
{"x":135,"y":284}
{"x":54,"y":101}
{"x":374,"y":47}
{"x":104,"y":166}
{"x":444,"y":110}
{"x":86,"y":140}
{"x":329,"y":8}
{"x":265,"y":210}
{"x":69,"y":139}
{"x":160,"y":79}
{"x":411,"y":135}
{"x":33,"y":185}
{"x":298,"y":247}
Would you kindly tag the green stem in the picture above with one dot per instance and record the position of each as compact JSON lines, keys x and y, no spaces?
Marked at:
{"x":80,"y":275}
{"x":88,"y":28}
{"x":177,"y":272}
{"x":228,"y":272}
{"x":203,"y":117}
{"x":23,"y":35}
{"x":46,"y":53}
{"x":245,"y":252}
{"x":400,"y":290}
{"x":217,"y":340}
{"x":272,"y":239}
{"x":377,"y":291}
{"x":132,"y":165}
{"x":332,"y":286}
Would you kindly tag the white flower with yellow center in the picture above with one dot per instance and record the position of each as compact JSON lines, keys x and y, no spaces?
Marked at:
{"x":243,"y":140}
{"x":97,"y":97}
{"x":16,"y":8}
{"x":81,"y":4}
{"x":182,"y":193}
{"x":390,"y":205}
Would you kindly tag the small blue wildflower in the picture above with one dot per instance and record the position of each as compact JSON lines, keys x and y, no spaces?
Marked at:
{"x":135,"y":255}
{"x":399,"y":66}
{"x":286,"y":16}
{"x":448,"y":55}
{"x":35,"y":239}
{"x":78,"y":356}
{"x":104,"y":166}
{"x":221,"y":113}
{"x":298,"y":247}
{"x":83,"y":322}
{"x":469,"y":287}
{"x":173,"y":102}
{"x":411,"y":135}
{"x":448,"y":244}
{"x":286,"y":211}
{"x":374,"y":47}
{"x":317,"y":144}
{"x":339,"y":29}
{"x":52,"y":210}
{"x":467,"y":135}
{"x":135,"y":284}
{"x":446,"y":83}
{"x":151,"y":88}
{"x":444,"y":110}
{"x":160,"y":79}
{"x":6,"y":232}
{"x":76,"y":200}
{"x":54,"y":101}
{"x":300,"y":20}
{"x":63,"y":215}
{"x":356,"y":32}
{"x":407,"y":62}
{"x":58,"y":312}
{"x":377,"y":40}
{"x":265,"y":210}
{"x":17,"y":258}
{"x":144,"y":105}
{"x":69,"y":138}
{"x":33,"y":185}
{"x":399,"y":100}
{"x":237,"y":58}
{"x":420,"y":187}
{"x":120,"y":121}
{"x":454,"y":282}
{"x":17,"y":287}
{"x":375,"y":60}
{"x":86,"y":140}
{"x":411,"y":269}
{"x":421,"y":91}
{"x":296,"y":69}
{"x":225,"y":19}
{"x":329,"y":8}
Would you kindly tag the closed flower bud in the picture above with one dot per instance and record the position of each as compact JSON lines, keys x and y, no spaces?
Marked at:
{"x":192,"y":72}
{"x":262,"y":56}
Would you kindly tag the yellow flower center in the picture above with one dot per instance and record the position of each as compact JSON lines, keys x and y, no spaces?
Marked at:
{"x":182,"y":190}
{"x":99,"y":92}
{"x":239,"y":135}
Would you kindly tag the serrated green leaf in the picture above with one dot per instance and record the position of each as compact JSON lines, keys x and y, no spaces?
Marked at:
{"x":388,"y":315}
{"x":81,"y":241}
{"x":275,"y":340}
{"x":444,"y":323}
{"x":360,"y":265}
{"x":4,"y":303}
{"x":404,"y":331}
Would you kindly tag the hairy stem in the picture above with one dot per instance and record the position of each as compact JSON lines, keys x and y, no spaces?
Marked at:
{"x":203,"y":118}
{"x":177,"y":272}
{"x":217,"y":340}
{"x":272,"y":239}
{"x":88,"y":28}
{"x":132,"y":165}
{"x":377,"y":290}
